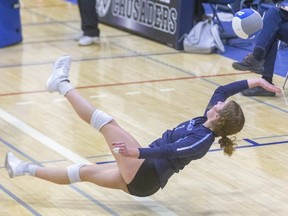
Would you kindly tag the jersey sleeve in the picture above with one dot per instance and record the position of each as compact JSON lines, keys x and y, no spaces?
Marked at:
{"x":190,"y":146}
{"x":225,"y":91}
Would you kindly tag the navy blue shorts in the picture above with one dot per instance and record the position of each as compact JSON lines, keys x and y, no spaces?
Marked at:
{"x":146,"y":181}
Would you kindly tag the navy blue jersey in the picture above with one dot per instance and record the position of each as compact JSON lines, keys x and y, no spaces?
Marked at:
{"x":188,"y":141}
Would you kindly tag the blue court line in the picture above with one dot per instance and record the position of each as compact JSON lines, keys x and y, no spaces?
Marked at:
{"x":270,"y":137}
{"x":73,"y":1}
{"x":21,"y":202}
{"x":265,"y":144}
{"x":90,"y":198}
{"x":93,"y":200}
{"x":252,"y":142}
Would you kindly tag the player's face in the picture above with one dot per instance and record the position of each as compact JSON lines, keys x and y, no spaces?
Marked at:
{"x":219,"y":106}
{"x":214,"y":111}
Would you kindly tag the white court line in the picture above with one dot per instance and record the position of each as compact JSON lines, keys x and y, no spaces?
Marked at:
{"x":166,"y":89}
{"x":60,"y":100}
{"x":285,"y":99}
{"x":98,"y":96}
{"x":42,"y":138}
{"x":133,"y":93}
{"x":148,"y":202}
{"x":25,"y":103}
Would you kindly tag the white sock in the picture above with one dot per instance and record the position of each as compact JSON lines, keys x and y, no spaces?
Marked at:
{"x":30,"y":169}
{"x":65,"y":87}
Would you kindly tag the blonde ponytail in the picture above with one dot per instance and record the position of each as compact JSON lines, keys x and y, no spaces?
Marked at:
{"x":228,"y":145}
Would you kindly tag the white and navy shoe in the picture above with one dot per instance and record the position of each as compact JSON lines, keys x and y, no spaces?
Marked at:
{"x":60,"y":73}
{"x":15,"y":166}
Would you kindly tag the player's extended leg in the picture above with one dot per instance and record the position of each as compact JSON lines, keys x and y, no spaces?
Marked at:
{"x":105,"y":175}
{"x":103,"y":122}
{"x":110,"y":130}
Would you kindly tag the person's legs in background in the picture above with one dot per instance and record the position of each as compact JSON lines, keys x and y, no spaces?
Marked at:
{"x":89,"y":22}
{"x":267,"y":74}
{"x":262,"y":60}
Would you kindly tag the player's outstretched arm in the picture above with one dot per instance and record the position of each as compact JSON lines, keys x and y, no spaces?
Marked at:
{"x":264,"y":84}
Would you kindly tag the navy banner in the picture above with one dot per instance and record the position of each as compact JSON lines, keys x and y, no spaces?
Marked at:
{"x":10,"y":23}
{"x":162,"y":20}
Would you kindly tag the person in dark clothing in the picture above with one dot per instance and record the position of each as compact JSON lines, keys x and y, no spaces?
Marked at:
{"x":142,"y":171}
{"x":89,"y":23}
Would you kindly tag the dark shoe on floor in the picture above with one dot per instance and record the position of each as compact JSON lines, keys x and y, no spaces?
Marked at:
{"x":257,"y":91}
{"x":249,"y":63}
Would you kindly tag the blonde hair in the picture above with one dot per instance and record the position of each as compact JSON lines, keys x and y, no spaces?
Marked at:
{"x":231,"y":121}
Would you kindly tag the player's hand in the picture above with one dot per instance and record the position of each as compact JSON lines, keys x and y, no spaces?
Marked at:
{"x":269,"y":87}
{"x":121,"y":148}
{"x":254,"y":82}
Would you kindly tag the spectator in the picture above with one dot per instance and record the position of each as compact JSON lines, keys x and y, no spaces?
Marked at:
{"x":89,"y":23}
